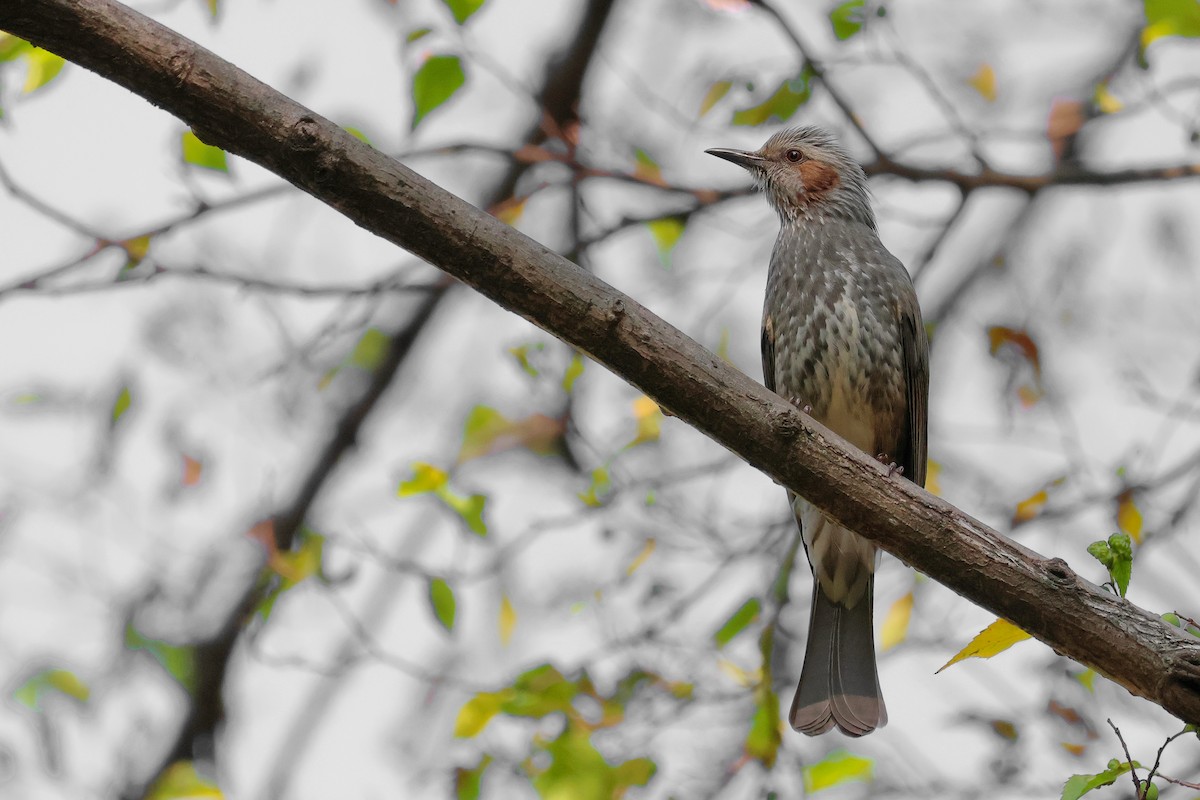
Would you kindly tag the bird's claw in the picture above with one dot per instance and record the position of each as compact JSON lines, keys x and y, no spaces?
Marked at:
{"x":894,"y":469}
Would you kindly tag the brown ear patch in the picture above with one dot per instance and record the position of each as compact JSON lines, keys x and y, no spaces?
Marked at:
{"x":818,"y":176}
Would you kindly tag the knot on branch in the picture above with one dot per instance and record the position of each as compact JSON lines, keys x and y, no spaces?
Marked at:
{"x":306,"y":135}
{"x":180,"y":64}
{"x":1059,"y":572}
{"x":787,"y":427}
{"x":615,"y":313}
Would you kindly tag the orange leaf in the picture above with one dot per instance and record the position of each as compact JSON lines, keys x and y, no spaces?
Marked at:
{"x":1030,"y":507}
{"x":984,"y":82}
{"x":1065,"y":119}
{"x":1074,"y":749}
{"x":192,"y":469}
{"x":1129,"y":518}
{"x":263,"y":532}
{"x":1000,"y":337}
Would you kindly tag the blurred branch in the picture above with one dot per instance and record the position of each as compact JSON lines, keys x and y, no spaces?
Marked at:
{"x":392,"y":284}
{"x":230,"y":109}
{"x":818,"y":69}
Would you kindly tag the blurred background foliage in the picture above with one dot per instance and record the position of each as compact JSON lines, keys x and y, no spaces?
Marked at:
{"x":525,"y":580}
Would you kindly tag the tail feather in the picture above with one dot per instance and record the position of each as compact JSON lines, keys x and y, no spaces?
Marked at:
{"x":839,"y":684}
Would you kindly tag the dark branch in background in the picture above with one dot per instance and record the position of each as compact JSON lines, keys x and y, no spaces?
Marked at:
{"x":212,"y":657}
{"x":230,"y":109}
{"x":559,"y":100}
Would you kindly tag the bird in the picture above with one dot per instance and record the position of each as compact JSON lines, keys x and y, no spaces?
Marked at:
{"x":842,"y":339}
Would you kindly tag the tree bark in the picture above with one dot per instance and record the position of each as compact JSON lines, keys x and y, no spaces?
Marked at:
{"x":228,"y":108}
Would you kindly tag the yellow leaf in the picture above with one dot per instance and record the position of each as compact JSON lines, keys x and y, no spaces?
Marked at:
{"x":508,"y":620}
{"x":1105,"y":100}
{"x":984,"y":82}
{"x":995,"y":638}
{"x":649,"y":420}
{"x":641,"y":557}
{"x":1030,"y":507}
{"x":426,"y":478}
{"x":43,"y":67}
{"x":836,"y":768}
{"x":135,"y":249}
{"x":509,"y":211}
{"x":933,"y":473}
{"x":181,"y":780}
{"x":740,"y":676}
{"x":714,"y":95}
{"x":895,"y":626}
{"x":303,"y":562}
{"x":1129,"y":519}
{"x":477,"y":712}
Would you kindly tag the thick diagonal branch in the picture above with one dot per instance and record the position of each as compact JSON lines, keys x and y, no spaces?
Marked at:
{"x":228,"y":108}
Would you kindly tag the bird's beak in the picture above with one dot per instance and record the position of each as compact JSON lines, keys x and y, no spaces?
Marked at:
{"x":743,"y":158}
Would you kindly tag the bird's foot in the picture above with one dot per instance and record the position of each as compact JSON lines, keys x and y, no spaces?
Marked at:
{"x":894,"y":469}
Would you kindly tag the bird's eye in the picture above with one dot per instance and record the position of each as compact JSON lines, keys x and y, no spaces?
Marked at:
{"x":794,"y":156}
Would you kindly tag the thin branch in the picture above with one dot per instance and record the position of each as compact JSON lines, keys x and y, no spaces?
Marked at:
{"x":1133,"y":776}
{"x":818,"y":70}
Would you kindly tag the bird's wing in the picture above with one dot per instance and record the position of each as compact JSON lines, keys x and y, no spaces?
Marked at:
{"x":768,"y":351}
{"x":914,"y":344}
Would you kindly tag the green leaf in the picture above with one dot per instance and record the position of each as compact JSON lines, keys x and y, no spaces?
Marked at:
{"x":577,"y":769}
{"x":434,"y":83}
{"x":468,"y":782}
{"x":521,"y":353}
{"x":121,"y":404}
{"x":635,"y":772}
{"x":1079,"y":785}
{"x":666,"y":232}
{"x":574,"y":370}
{"x":370,"y":350}
{"x":12,"y":47}
{"x":357,"y":134}
{"x":199,"y":154}
{"x":836,"y":768}
{"x":1117,"y":557}
{"x":469,"y":508}
{"x":44,"y":66}
{"x":1170,"y":18}
{"x":599,"y":488}
{"x":764,"y":738}
{"x":483,"y":426}
{"x":781,"y":105}
{"x":417,"y":34}
{"x":540,"y":691}
{"x":747,"y":613}
{"x":463,"y":9}
{"x":441,"y":598}
{"x":62,"y":681}
{"x":426,"y":478}
{"x":179,"y":662}
{"x":847,"y":18}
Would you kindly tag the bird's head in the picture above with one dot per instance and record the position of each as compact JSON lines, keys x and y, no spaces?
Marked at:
{"x":806,"y":174}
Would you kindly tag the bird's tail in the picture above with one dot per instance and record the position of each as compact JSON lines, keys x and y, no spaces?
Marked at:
{"x":839,"y":684}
